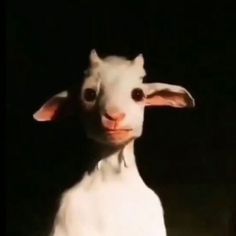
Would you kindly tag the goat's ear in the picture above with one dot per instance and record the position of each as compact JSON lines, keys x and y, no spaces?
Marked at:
{"x":61,"y":104}
{"x":162,"y":94}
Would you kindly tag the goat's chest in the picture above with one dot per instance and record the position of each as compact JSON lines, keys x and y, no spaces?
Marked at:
{"x":114,"y":208}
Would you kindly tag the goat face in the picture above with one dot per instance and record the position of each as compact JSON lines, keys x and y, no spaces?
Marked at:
{"x":113,"y":97}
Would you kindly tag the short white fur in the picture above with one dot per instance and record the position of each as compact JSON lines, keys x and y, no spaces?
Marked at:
{"x":113,"y":200}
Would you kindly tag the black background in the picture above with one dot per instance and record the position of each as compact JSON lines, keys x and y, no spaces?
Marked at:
{"x":187,"y":156}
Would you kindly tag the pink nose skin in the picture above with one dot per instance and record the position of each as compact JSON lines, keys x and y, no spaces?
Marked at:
{"x":117,"y":117}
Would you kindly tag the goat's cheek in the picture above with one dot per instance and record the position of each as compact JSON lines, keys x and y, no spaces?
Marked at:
{"x":138,"y":131}
{"x":137,"y":117}
{"x":138,"y":124}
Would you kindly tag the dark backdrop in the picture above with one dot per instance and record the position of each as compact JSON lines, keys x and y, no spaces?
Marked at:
{"x":186,"y":156}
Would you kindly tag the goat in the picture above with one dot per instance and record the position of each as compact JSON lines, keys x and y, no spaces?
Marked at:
{"x":113,"y":200}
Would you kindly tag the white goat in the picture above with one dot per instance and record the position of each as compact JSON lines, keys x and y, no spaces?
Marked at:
{"x":113,"y":200}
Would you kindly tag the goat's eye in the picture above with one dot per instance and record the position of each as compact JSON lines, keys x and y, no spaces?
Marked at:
{"x":90,"y":94}
{"x":137,"y":94}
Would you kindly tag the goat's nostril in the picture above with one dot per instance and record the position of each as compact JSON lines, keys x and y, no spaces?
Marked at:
{"x":115,"y":116}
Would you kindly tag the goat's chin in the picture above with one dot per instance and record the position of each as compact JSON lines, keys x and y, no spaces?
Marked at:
{"x":112,"y":140}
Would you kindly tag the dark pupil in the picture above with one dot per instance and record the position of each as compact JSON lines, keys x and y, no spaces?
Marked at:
{"x":137,"y":94}
{"x":90,"y":95}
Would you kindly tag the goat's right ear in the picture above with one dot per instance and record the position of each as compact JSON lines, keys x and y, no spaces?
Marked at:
{"x":57,"y":106}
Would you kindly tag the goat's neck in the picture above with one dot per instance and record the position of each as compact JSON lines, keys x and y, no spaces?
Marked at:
{"x":117,"y":162}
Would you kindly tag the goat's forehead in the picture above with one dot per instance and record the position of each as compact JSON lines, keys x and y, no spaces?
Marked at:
{"x":115,"y":84}
{"x":116,"y":74}
{"x":113,"y":81}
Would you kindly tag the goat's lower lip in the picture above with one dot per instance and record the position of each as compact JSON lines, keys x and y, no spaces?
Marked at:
{"x":116,"y":131}
{"x":118,"y":134}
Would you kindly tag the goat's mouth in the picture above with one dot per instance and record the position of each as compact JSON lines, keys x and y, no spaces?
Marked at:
{"x":118,"y":134}
{"x":111,"y":136}
{"x":111,"y":131}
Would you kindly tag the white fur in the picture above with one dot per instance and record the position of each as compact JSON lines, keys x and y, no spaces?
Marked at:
{"x":113,"y":200}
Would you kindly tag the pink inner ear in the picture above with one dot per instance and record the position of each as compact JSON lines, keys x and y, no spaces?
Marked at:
{"x":173,"y":101}
{"x":156,"y":101}
{"x":56,"y":108}
{"x":50,"y":111}
{"x":47,"y":112}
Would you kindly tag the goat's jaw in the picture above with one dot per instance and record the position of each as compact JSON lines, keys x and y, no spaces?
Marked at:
{"x":116,"y":138}
{"x":112,"y":136}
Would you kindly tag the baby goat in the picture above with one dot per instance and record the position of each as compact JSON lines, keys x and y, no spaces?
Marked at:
{"x":113,"y":200}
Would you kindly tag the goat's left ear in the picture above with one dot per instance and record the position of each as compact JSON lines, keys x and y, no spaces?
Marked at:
{"x":59,"y":105}
{"x":162,"y":94}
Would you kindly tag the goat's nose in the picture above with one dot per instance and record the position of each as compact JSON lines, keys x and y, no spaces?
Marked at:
{"x":115,"y":116}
